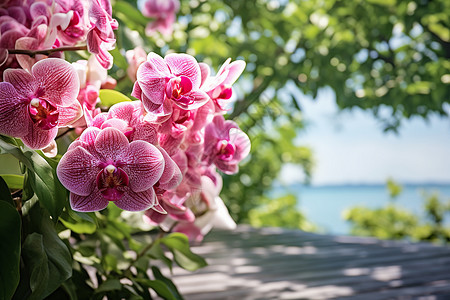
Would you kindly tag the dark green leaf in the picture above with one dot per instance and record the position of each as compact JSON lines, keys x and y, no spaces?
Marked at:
{"x":42,"y":178}
{"x":178,"y":244}
{"x":36,"y":261}
{"x":109,"y":285}
{"x":53,"y":252}
{"x":5,"y":194}
{"x":159,"y":276}
{"x":10,"y":227}
{"x":159,"y":287}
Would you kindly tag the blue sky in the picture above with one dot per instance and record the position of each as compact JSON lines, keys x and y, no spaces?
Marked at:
{"x":350,"y":146}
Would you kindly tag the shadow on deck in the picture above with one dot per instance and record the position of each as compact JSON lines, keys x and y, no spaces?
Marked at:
{"x":274,"y":263}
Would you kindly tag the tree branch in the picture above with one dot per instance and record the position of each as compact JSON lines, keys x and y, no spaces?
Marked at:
{"x":47,"y":52}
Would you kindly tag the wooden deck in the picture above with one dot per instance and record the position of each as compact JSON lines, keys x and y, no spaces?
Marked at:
{"x":275,"y":263}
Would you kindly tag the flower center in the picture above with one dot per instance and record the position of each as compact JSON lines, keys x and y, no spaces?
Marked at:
{"x":177,"y":88}
{"x":75,"y":29}
{"x":225,"y":150}
{"x":111,"y":182}
{"x":43,"y":113}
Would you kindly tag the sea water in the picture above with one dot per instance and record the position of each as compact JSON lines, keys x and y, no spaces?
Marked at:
{"x":324,"y":206}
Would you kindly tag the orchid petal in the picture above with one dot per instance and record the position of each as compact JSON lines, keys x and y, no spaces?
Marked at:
{"x":133,"y":201}
{"x":77,"y":170}
{"x":144,"y":165}
{"x":38,"y":138}
{"x":92,"y":202}
{"x":59,"y":80}
{"x":184,"y":64}
{"x":13,"y":112}
{"x":111,"y":142}
{"x":70,"y":114}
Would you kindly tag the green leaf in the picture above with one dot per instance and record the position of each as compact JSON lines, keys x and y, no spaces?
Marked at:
{"x":159,"y":276}
{"x":53,"y":264}
{"x":178,"y":244}
{"x":80,"y":226}
{"x":14,"y":182}
{"x":128,"y":13}
{"x":109,"y":285}
{"x":159,"y":287}
{"x":157,"y":252}
{"x":42,"y":178}
{"x":111,"y":97}
{"x":36,"y":260}
{"x":10,"y":228}
{"x":5,"y":194}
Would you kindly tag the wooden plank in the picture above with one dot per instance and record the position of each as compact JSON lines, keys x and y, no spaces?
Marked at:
{"x":274,"y":263}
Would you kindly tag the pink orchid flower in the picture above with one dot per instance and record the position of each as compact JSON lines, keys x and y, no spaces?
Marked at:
{"x":174,"y":79}
{"x":219,"y":87}
{"x":104,"y":166}
{"x":225,"y":145}
{"x":135,"y":58}
{"x":100,"y":38}
{"x":34,"y":105}
{"x":164,"y":13}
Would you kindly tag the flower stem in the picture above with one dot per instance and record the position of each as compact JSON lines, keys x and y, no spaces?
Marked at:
{"x":47,"y":52}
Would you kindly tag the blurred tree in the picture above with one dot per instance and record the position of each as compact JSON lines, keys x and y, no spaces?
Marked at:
{"x":395,"y":222}
{"x":394,"y":188}
{"x":374,"y":54}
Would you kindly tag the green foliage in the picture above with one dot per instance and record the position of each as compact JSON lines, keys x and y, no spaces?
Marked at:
{"x":280,"y":212}
{"x":394,"y":222}
{"x":10,"y":227}
{"x":110,"y":97}
{"x":390,"y":222}
{"x":394,"y":188}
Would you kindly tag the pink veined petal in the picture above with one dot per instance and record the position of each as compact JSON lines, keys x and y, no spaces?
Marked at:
{"x":146,"y":131}
{"x":137,"y":91}
{"x":99,"y":120}
{"x":144,"y":165}
{"x":204,"y":115}
{"x":92,"y":202}
{"x":224,"y":66}
{"x":38,"y":138}
{"x":228,"y":167}
{"x":235,"y":70}
{"x":133,"y":201}
{"x":69,"y":114}
{"x":241,"y":142}
{"x":89,"y":135}
{"x":153,"y":217}
{"x":122,"y":110}
{"x":198,"y":97}
{"x":190,"y":230}
{"x":26,"y":61}
{"x":59,"y":80}
{"x":171,"y":177}
{"x":186,"y":216}
{"x":116,"y":123}
{"x":111,"y":142}
{"x":152,"y":76}
{"x":157,"y":113}
{"x":13,"y":112}
{"x":204,"y":71}
{"x":22,"y":81}
{"x":77,"y":170}
{"x":39,"y":9}
{"x":184,"y":64}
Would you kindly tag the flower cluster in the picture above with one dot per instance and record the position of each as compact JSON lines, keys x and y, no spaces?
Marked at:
{"x":163,"y":12}
{"x":160,"y":153}
{"x":41,"y":25}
